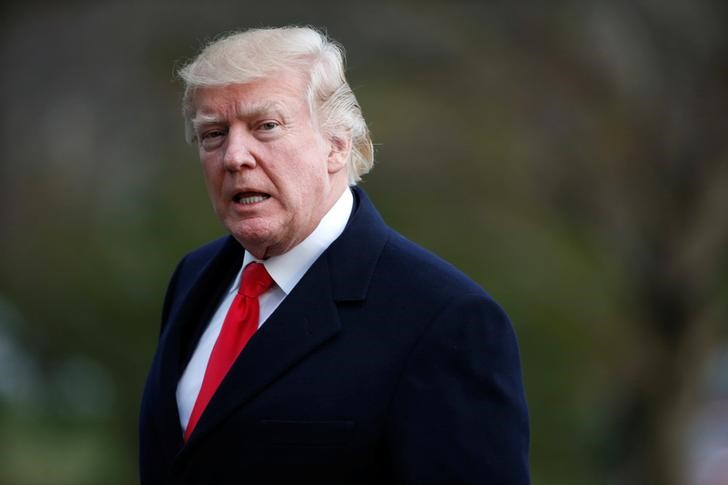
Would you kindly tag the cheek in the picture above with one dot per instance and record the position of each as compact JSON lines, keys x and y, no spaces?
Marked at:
{"x":305,"y":183}
{"x":207,"y":177}
{"x":213,"y":181}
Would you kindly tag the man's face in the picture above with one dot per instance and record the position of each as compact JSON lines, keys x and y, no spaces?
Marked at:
{"x":270,"y":174}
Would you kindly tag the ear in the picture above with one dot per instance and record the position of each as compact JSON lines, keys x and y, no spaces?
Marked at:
{"x":340,"y":149}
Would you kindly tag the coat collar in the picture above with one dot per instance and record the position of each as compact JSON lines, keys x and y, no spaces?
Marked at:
{"x":353,"y":256}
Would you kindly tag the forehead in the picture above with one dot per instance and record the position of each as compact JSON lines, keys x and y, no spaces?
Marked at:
{"x":285,"y":93}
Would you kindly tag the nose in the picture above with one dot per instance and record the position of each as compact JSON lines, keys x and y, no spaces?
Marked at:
{"x":237,"y":151}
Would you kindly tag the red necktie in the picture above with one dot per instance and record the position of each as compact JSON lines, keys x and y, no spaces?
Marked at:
{"x":240,"y":324}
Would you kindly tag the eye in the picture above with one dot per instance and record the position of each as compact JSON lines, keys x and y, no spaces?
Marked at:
{"x":268,"y":125}
{"x":212,"y":138}
{"x":212,"y":134}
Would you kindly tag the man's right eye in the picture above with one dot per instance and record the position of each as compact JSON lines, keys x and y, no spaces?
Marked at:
{"x":212,"y":138}
{"x":212,"y":134}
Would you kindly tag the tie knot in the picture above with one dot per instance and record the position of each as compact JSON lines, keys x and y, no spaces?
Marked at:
{"x":256,"y":280}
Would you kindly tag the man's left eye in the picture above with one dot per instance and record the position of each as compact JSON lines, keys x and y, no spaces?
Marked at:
{"x":269,"y":125}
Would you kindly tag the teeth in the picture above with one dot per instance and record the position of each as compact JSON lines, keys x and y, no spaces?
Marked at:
{"x":252,"y":199}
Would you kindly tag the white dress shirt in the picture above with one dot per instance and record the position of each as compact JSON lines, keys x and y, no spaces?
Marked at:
{"x":286,"y":270}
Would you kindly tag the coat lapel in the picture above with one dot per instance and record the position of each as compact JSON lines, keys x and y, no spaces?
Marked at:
{"x":306,"y":319}
{"x":185,"y":327}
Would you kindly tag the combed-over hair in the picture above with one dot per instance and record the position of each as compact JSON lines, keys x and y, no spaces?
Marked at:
{"x":243,"y":57}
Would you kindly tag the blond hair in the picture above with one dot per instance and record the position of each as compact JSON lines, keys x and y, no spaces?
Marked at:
{"x":254,"y":54}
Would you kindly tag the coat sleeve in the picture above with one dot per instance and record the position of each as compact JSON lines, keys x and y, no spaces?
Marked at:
{"x":459,"y":413}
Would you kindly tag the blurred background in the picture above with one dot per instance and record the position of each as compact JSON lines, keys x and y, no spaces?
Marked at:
{"x":571,"y":156}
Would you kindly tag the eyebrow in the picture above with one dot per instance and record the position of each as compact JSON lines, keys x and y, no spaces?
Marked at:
{"x":204,"y":119}
{"x":242,"y":111}
{"x":259,"y":109}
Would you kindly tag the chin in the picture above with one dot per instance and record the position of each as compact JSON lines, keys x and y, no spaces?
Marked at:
{"x":250,"y":237}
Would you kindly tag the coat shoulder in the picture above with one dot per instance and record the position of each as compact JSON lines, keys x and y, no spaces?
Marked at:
{"x":199,"y":257}
{"x":187,"y":271}
{"x":418,"y":268}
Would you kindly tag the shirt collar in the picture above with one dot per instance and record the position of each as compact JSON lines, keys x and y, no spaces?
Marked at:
{"x":288,"y":268}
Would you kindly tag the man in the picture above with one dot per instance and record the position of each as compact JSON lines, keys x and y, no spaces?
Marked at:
{"x":314,"y":344}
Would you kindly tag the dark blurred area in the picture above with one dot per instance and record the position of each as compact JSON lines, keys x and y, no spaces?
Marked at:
{"x":571,"y":156}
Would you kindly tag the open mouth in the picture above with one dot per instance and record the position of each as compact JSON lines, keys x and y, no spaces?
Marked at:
{"x":247,"y":198}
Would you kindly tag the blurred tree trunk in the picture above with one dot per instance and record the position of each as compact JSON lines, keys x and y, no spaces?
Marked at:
{"x":649,"y":178}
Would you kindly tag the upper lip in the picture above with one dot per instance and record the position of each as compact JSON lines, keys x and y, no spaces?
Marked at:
{"x":237,"y":193}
